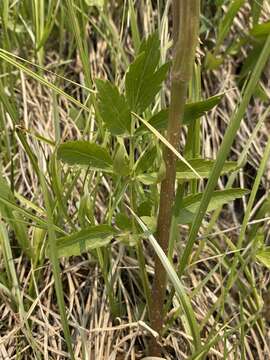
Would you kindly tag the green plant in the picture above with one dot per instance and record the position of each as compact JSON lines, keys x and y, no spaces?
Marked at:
{"x":123,"y":172}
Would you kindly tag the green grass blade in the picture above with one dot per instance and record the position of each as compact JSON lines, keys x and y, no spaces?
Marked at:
{"x":83,"y":51}
{"x":40,"y":79}
{"x":250,"y":204}
{"x":18,"y":297}
{"x":134,"y":27}
{"x":53,"y":255}
{"x":179,"y":288}
{"x":223,"y":153}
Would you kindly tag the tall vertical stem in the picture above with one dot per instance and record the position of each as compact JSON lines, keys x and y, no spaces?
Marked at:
{"x":185,"y":36}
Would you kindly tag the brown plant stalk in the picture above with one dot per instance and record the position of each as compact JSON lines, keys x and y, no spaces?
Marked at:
{"x":185,"y":36}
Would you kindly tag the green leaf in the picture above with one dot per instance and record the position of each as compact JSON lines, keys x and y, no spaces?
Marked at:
{"x":159,"y":121}
{"x":150,"y":222}
{"x":143,"y":81}
{"x":86,"y":211}
{"x":121,"y":161}
{"x":123,"y":222}
{"x":145,"y":207}
{"x":85,"y":153}
{"x":134,"y":26}
{"x":250,"y":61}
{"x":261,"y":92}
{"x":259,"y":239}
{"x":87,"y":239}
{"x":153,"y":177}
{"x":260,"y":30}
{"x":6,"y":193}
{"x":14,"y":218}
{"x":263,"y":211}
{"x":203,"y":167}
{"x":226,"y":23}
{"x":198,"y":109}
{"x":161,"y":174}
{"x":192,"y":112}
{"x":151,"y":88}
{"x":129,"y":238}
{"x":256,"y":9}
{"x":213,"y":62}
{"x":191,"y":203}
{"x":113,"y":108}
{"x":146,"y":160}
{"x":264,"y":256}
{"x":151,"y":49}
{"x":148,"y":178}
{"x":183,"y":172}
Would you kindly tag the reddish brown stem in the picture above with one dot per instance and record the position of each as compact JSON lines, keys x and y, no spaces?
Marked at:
{"x":185,"y":36}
